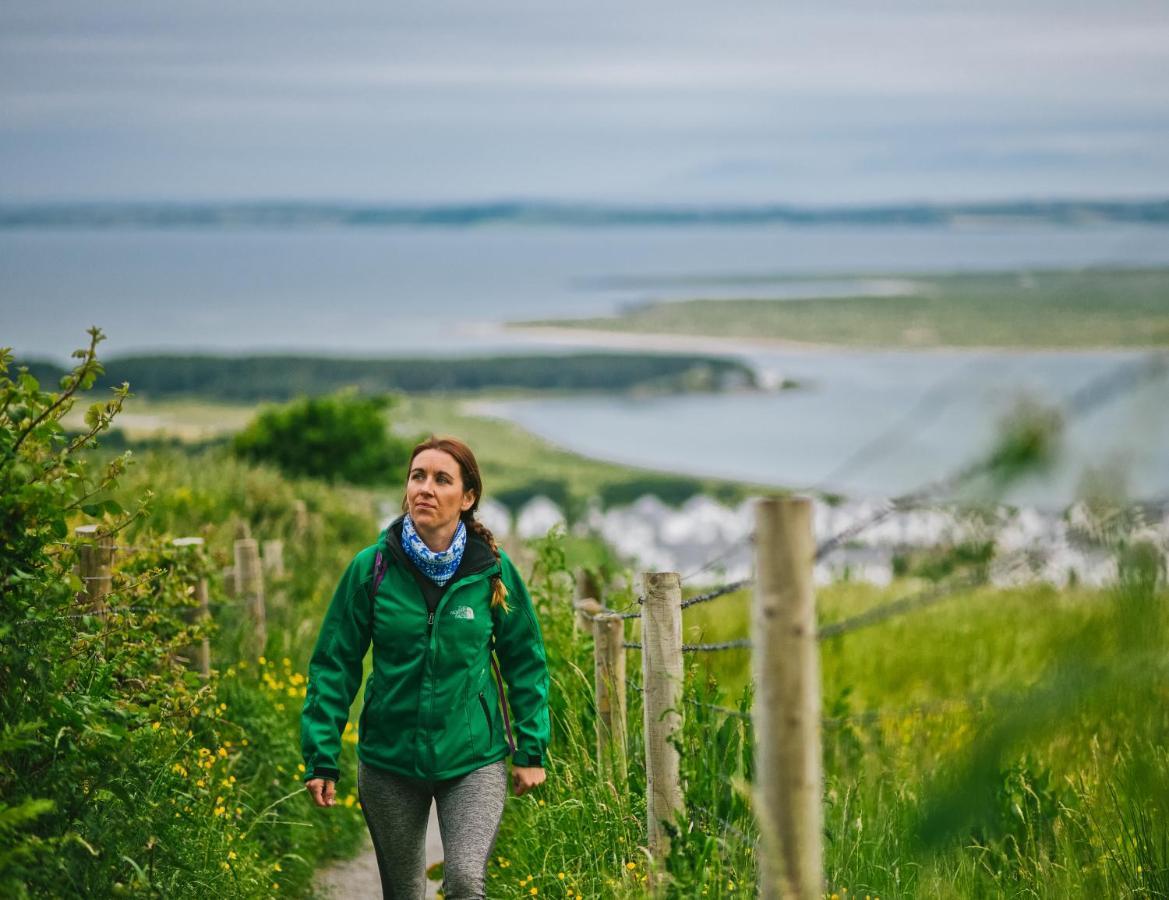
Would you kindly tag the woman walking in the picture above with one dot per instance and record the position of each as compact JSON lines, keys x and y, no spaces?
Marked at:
{"x":435,"y":596}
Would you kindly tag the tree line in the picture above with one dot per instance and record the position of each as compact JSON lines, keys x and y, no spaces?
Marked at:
{"x":255,"y":378}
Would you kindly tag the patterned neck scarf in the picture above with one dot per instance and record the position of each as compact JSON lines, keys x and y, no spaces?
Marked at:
{"x":438,"y":567}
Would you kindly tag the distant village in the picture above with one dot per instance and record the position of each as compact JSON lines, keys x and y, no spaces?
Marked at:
{"x":709,"y":543}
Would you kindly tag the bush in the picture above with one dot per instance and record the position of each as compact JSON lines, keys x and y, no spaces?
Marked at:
{"x":121,"y":771}
{"x":342,"y":437}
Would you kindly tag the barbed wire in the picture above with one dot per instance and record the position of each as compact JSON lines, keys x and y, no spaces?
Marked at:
{"x":739,"y":644}
{"x":725,"y":710}
{"x":721,"y":555}
{"x":920,"y":600}
{"x":1095,"y":393}
{"x":118,"y":610}
{"x":606,"y":615}
{"x":112,"y":611}
{"x":933,"y":401}
{"x":717,"y":592}
{"x":871,"y":716}
{"x":727,"y":826}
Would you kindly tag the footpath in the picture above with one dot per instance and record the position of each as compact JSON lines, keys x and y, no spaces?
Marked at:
{"x":357,"y":878}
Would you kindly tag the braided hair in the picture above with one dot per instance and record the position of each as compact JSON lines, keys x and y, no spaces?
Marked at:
{"x":472,"y":481}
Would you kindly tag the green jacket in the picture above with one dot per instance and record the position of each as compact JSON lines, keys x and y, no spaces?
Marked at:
{"x":431,"y":709}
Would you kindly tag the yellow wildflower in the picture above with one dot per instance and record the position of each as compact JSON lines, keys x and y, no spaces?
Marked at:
{"x":262,"y":661}
{"x":631,"y":865}
{"x":156,"y":726}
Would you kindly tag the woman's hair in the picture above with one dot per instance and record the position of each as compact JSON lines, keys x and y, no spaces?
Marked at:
{"x":472,"y":481}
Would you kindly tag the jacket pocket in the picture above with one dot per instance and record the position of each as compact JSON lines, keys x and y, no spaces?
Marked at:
{"x":490,"y":724}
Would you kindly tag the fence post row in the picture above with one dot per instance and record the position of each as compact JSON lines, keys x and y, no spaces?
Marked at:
{"x":661,"y":662}
{"x":786,"y":668}
{"x":203,"y":614}
{"x":95,"y":557}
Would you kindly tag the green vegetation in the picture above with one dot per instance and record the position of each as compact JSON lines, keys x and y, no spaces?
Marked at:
{"x":121,"y":771}
{"x":1003,"y":743}
{"x":339,"y":438}
{"x":1077,"y":308}
{"x":252,"y":378}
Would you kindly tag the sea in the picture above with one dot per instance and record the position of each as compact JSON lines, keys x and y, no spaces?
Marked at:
{"x":871,"y":423}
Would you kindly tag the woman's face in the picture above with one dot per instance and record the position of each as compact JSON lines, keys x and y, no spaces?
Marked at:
{"x":434,"y":491}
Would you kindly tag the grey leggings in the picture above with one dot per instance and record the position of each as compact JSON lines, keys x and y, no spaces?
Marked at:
{"x":396,"y":810}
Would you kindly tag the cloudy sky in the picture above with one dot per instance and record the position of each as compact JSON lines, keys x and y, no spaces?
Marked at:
{"x":655,"y":101}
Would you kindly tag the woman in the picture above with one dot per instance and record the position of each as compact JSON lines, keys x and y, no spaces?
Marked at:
{"x":436,"y":597}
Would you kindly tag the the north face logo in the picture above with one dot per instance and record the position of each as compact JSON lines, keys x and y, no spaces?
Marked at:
{"x":462,"y":612}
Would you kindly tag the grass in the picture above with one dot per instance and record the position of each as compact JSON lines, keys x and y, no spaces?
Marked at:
{"x":515,"y":463}
{"x":1005,"y":743}
{"x":1043,"y":309}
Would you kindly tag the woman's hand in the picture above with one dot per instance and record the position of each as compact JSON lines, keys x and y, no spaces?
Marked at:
{"x":323,"y":791}
{"x":524,"y":778}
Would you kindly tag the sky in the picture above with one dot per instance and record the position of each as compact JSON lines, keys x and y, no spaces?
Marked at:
{"x":659,"y":101}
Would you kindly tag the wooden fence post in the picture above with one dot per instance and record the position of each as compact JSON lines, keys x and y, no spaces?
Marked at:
{"x":786,"y":663}
{"x":249,"y":585}
{"x":273,"y":556}
{"x":609,"y":671}
{"x":661,"y":666}
{"x":586,"y":589}
{"x":95,"y":556}
{"x":300,"y":519}
{"x":203,"y":614}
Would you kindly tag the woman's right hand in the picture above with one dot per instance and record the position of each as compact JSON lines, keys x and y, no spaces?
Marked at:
{"x":322,"y":790}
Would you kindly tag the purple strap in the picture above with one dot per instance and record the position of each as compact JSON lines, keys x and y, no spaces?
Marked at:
{"x":379,"y":572}
{"x":503,"y":703}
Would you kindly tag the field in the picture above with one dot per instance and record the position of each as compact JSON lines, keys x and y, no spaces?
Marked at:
{"x":516,"y":464}
{"x":1043,"y":309}
{"x":1006,"y":743}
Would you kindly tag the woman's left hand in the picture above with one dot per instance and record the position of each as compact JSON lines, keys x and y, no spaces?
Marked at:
{"x":524,"y":778}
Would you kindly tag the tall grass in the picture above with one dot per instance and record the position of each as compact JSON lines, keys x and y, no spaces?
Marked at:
{"x":1009,"y":742}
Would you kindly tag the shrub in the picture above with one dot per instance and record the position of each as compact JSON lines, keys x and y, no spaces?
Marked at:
{"x":342,"y":437}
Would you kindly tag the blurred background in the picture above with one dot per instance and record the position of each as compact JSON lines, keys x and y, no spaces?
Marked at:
{"x":650,"y":260}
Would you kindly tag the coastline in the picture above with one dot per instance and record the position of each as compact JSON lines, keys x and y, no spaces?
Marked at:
{"x":667,"y":342}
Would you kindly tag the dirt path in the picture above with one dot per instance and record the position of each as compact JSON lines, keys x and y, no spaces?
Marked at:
{"x":357,"y":879}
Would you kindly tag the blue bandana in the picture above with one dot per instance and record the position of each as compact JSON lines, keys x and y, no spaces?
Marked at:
{"x":438,"y":567}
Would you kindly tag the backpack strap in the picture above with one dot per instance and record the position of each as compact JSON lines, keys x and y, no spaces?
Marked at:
{"x":503,"y":703}
{"x":380,"y":565}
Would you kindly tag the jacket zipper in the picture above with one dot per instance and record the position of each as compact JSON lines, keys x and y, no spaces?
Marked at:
{"x":470,"y":579}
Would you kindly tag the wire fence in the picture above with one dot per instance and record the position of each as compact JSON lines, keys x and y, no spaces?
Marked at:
{"x":1079,"y":403}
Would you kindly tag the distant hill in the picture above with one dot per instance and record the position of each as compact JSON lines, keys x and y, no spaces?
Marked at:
{"x":254,"y":378}
{"x":299,"y":215}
